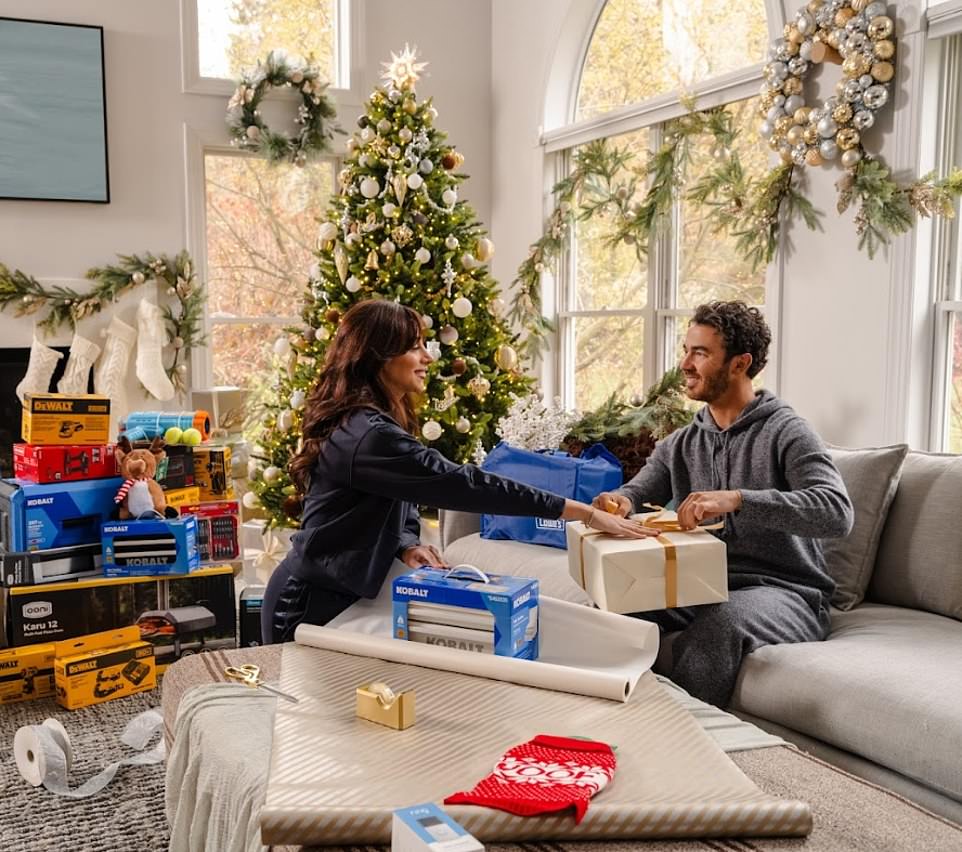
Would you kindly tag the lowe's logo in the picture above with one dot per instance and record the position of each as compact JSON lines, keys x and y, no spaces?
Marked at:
{"x":417,"y":593}
{"x":40,"y":501}
{"x":37,"y":609}
{"x":547,"y":524}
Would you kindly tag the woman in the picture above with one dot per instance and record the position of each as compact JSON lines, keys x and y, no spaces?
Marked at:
{"x":363,"y":473}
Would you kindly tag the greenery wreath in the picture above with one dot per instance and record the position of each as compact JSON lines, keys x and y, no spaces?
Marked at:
{"x":315,"y":115}
{"x":858,"y":35}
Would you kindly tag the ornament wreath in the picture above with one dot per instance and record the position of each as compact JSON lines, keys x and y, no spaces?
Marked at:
{"x":65,"y":306}
{"x":315,"y":115}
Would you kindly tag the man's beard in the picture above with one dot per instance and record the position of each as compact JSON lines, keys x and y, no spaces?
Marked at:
{"x":715,"y":386}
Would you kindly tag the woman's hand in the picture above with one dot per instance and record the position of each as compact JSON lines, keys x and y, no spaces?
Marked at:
{"x":423,"y":554}
{"x":610,"y":524}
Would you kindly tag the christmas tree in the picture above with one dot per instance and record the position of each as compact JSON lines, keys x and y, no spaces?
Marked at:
{"x":397,"y":230}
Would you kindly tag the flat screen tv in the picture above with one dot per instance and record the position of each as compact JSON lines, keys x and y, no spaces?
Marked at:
{"x":53,"y":136}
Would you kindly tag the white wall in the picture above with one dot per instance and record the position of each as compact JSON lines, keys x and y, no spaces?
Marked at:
{"x":147,"y":111}
{"x":842,"y":314}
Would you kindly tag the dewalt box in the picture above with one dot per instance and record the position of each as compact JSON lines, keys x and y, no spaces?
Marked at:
{"x":212,"y":473}
{"x":178,"y":615}
{"x":26,"y":673}
{"x":177,"y":497}
{"x":56,"y":418}
{"x":103,"y":666}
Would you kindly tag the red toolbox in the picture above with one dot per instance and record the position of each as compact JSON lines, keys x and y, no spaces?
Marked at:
{"x":45,"y":463}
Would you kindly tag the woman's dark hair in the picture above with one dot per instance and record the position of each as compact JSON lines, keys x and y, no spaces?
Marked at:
{"x":742,"y":328}
{"x":368,"y":336}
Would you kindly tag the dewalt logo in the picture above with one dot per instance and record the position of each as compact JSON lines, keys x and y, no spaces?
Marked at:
{"x":60,"y":405}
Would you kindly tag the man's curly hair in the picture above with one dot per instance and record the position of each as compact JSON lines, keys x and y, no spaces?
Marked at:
{"x":742,"y":328}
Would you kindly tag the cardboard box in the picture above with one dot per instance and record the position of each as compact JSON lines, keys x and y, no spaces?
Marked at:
{"x":212,"y":473}
{"x":159,"y":607}
{"x":56,"y":418}
{"x":68,"y":463}
{"x":26,"y":673}
{"x":640,"y":575}
{"x":227,"y":406}
{"x":103,"y":666}
{"x":50,"y":566}
{"x":486,"y":613}
{"x":177,"y":497}
{"x":217,"y":529}
{"x":62,"y":514}
{"x":150,"y":548}
{"x":176,"y":469}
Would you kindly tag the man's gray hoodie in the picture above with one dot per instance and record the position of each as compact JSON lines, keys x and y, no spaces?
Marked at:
{"x":792,"y":493}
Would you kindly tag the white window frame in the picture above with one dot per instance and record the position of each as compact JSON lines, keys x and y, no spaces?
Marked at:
{"x":945,"y":244}
{"x":661,"y":311}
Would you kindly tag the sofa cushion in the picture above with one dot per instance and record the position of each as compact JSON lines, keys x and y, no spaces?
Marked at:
{"x":548,"y":564}
{"x":919,"y":562}
{"x":871,"y":477}
{"x":886,"y":685}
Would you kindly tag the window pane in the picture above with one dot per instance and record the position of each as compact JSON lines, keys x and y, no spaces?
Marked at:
{"x":261,"y":230}
{"x":954,"y":400}
{"x":234,"y":34}
{"x":643,"y":48}
{"x":709,"y":267}
{"x":611,"y":277}
{"x":608,"y":358}
{"x":242,"y":355}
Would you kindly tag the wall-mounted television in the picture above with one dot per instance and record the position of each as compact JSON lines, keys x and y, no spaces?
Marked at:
{"x":53,"y":134}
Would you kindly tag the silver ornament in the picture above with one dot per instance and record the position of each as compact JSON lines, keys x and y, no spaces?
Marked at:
{"x":383,"y":126}
{"x":778,"y":70}
{"x":798,"y":154}
{"x":388,"y":248}
{"x":774,"y":113}
{"x":793,"y":103}
{"x":765,"y":129}
{"x":828,"y":149}
{"x":866,"y":80}
{"x":863,"y":119}
{"x":856,"y":43}
{"x":805,"y":50}
{"x":851,"y":157}
{"x":779,"y":100}
{"x":873,"y":10}
{"x":875,"y":97}
{"x":852,"y":90}
{"x":425,"y":167}
{"x":797,"y":66}
{"x":827,"y":127}
{"x":805,"y":23}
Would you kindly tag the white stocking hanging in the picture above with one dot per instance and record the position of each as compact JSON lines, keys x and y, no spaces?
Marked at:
{"x":151,"y":337}
{"x":110,"y":376}
{"x":83,"y":353}
{"x":43,"y":361}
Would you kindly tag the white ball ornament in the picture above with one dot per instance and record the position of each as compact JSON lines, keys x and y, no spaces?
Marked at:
{"x":370,"y":187}
{"x":138,"y":277}
{"x":463,"y":425}
{"x":272,"y":474}
{"x":468,"y":261}
{"x":367,"y":134}
{"x":389,"y":209}
{"x":432,"y":430}
{"x":425,"y":167}
{"x":851,"y":157}
{"x":451,"y":242}
{"x":282,"y":347}
{"x":462,"y":307}
{"x":388,"y":248}
{"x":422,"y":255}
{"x":352,"y":284}
{"x":427,"y":321}
{"x":415,"y":181}
{"x":383,"y":126}
{"x":285,"y":420}
{"x":253,"y":132}
{"x":448,"y":335}
{"x":449,"y":197}
{"x":405,"y":134}
{"x":327,"y":232}
{"x":250,"y":500}
{"x":298,"y":398}
{"x":322,"y":334}
{"x":496,"y":307}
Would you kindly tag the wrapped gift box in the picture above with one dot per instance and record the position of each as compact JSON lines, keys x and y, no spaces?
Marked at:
{"x":639,"y":575}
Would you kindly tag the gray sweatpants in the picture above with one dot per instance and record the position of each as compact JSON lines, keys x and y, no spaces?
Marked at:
{"x":714,"y":639}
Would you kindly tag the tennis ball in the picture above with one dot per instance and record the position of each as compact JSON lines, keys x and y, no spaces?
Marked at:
{"x":191,"y":437}
{"x":173,"y":435}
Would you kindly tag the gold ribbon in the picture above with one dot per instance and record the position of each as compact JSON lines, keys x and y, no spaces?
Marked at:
{"x":663,"y":525}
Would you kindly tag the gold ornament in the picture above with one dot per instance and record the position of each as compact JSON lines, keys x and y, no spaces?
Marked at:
{"x":813,"y":158}
{"x":791,"y":48}
{"x":372,"y":262}
{"x":340,"y":260}
{"x":484,"y":250}
{"x":782,"y":125}
{"x":856,"y":65}
{"x":814,"y":5}
{"x":792,"y":86}
{"x":410,"y":106}
{"x":506,"y":357}
{"x":880,"y":27}
{"x":793,"y":36}
{"x":859,"y":5}
{"x":847,"y":138}
{"x":883,"y":71}
{"x":800,"y":116}
{"x":479,"y":386}
{"x":787,"y":31}
{"x":794,"y":135}
{"x":842,"y":114}
{"x":842,"y":16}
{"x":766,"y":102}
{"x":785,"y":154}
{"x":810,"y":135}
{"x":400,"y":185}
{"x":884,"y":48}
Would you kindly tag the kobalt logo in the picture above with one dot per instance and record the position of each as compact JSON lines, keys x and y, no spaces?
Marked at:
{"x":40,"y":501}
{"x":418,"y":593}
{"x":119,"y":529}
{"x":522,"y":599}
{"x":37,"y":609}
{"x":143,"y":560}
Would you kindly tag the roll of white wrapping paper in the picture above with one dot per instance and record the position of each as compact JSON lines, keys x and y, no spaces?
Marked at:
{"x":583,"y":650}
{"x":44,"y":754}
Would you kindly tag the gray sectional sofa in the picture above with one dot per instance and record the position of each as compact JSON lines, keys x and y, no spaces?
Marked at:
{"x":882,"y":696}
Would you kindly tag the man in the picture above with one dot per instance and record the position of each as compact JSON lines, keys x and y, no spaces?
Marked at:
{"x":749,"y":459}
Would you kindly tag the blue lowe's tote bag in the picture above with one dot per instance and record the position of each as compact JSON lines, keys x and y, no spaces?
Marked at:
{"x":581,"y":479}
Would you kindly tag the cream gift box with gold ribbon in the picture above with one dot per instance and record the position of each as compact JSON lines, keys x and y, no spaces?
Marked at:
{"x":638,"y":575}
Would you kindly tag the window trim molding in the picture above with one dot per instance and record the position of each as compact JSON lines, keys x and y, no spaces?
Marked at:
{"x":349,"y":31}
{"x":945,"y":19}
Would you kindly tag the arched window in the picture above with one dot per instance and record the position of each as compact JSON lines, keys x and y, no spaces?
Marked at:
{"x":622,"y":317}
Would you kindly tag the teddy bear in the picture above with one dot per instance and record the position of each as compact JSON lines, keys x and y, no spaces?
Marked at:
{"x":140,"y":497}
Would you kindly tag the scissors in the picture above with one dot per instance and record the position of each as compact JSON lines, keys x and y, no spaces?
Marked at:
{"x":250,"y":675}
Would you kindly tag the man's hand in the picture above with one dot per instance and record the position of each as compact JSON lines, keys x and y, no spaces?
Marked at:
{"x":702,"y":505}
{"x":613,"y":504}
{"x":423,"y":554}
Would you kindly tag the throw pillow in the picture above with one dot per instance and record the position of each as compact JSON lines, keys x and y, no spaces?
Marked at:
{"x":871,"y":477}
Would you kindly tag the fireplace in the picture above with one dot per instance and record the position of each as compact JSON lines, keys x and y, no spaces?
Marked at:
{"x":13,"y":367}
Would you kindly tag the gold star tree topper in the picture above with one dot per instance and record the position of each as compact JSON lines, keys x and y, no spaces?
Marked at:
{"x":402,"y":71}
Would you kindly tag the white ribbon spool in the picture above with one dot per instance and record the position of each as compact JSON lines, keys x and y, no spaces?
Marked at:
{"x":44,"y":754}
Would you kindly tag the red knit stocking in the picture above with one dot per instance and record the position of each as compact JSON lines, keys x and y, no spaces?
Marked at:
{"x":543,"y":775}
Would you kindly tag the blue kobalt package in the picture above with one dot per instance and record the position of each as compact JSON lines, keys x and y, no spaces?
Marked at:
{"x":150,"y":548}
{"x":56,"y":514}
{"x":466,"y":609}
